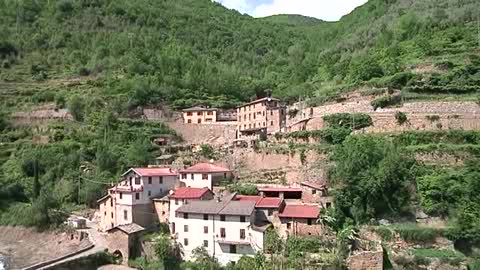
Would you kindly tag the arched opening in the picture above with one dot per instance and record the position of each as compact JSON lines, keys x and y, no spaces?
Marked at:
{"x":118,"y":256}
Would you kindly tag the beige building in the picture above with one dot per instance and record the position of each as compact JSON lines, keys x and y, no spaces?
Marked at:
{"x":260,"y":118}
{"x":226,"y":228}
{"x":130,"y":201}
{"x":204,"y":175}
{"x":199,"y":115}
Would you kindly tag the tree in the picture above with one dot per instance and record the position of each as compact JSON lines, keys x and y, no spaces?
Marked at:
{"x":76,"y":106}
{"x":3,"y":121}
{"x":138,"y":154}
{"x":373,"y":177}
{"x":166,"y":251}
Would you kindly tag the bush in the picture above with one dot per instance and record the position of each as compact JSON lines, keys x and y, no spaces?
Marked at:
{"x":243,"y":189}
{"x":384,"y":232}
{"x":348,"y":120}
{"x":400,"y":80}
{"x":412,"y":233}
{"x":419,"y":260}
{"x":386,"y":101}
{"x":401,"y":118}
{"x":76,"y":106}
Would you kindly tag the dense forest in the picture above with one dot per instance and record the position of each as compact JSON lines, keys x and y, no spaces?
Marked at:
{"x":103,"y":59}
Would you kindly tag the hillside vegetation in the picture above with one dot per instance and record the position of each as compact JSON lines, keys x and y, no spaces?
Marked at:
{"x":194,"y":51}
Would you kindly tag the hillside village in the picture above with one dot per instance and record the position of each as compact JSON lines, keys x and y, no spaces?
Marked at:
{"x":184,"y":135}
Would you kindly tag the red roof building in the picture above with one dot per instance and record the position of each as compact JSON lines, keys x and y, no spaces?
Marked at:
{"x":205,"y":168}
{"x":146,"y":172}
{"x":300,"y":211}
{"x":189,"y":193}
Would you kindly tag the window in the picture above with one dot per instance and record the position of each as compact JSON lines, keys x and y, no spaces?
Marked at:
{"x":263,"y":113}
{"x":185,"y":228}
{"x":245,"y":117}
{"x":249,"y":117}
{"x":199,"y":113}
{"x":233,"y":249}
{"x":137,"y":196}
{"x":204,"y":176}
{"x":189,"y":113}
{"x":289,"y":226}
{"x":105,"y":213}
{"x":149,"y":193}
{"x":242,"y":218}
{"x":205,"y":229}
{"x":184,"y":176}
{"x":173,"y":227}
{"x":314,"y":191}
{"x":222,"y":233}
{"x":185,"y":201}
{"x":222,"y":217}
{"x":254,"y":117}
{"x":199,"y":121}
{"x":205,"y":243}
{"x":121,"y":195}
{"x":270,"y":212}
{"x":271,"y":123}
{"x":160,"y":180}
{"x":329,"y":204}
{"x":149,"y":180}
{"x":176,"y":201}
{"x":185,"y":215}
{"x":242,"y":233}
{"x":205,"y":216}
{"x":125,"y":215}
{"x":254,"y":124}
{"x":111,"y":201}
{"x":111,"y":215}
{"x":271,"y":112}
{"x":189,"y":121}
{"x":209,"y":113}
{"x":137,"y":180}
{"x":309,"y":221}
{"x":185,"y":241}
{"x":191,"y":176}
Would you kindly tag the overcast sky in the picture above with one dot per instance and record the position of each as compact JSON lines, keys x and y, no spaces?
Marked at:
{"x":328,"y":10}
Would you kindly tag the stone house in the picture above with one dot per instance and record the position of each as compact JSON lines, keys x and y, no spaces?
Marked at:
{"x":130,"y":201}
{"x":316,"y":193}
{"x":226,"y":228}
{"x":260,"y":118}
{"x":298,"y":220}
{"x":166,"y":206}
{"x":204,"y":175}
{"x":123,"y":240}
{"x":199,"y":115}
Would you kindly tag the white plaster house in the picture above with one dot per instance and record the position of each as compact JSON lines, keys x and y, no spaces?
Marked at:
{"x":130,"y":201}
{"x":204,"y":175}
{"x":226,"y":229}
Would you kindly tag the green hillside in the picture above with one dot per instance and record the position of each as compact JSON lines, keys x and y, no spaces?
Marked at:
{"x":188,"y":52}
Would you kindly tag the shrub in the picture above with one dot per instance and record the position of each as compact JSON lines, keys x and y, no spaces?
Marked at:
{"x":385,"y":233}
{"x":400,"y":80}
{"x":419,"y":260}
{"x":401,"y":118}
{"x":83,"y":71}
{"x":76,"y":106}
{"x":243,"y":189}
{"x":412,"y":233}
{"x":386,"y":101}
{"x":348,"y":120}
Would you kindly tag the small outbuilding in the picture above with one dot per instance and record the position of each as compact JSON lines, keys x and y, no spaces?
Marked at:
{"x":123,"y":241}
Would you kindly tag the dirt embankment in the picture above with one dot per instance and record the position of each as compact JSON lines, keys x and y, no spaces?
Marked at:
{"x":24,"y":247}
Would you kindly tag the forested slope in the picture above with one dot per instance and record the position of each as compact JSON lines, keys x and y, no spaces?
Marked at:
{"x":195,"y":51}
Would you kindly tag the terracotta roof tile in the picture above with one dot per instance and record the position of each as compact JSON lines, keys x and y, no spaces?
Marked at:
{"x":269,"y":203}
{"x":189,"y":193}
{"x":300,"y":211}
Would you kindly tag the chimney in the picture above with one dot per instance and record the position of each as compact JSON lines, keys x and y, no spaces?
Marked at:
{"x":171,"y":192}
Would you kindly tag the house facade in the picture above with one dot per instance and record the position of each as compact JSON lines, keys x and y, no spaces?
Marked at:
{"x":199,"y":115}
{"x":299,"y":220}
{"x":130,"y":201}
{"x":225,"y":228}
{"x":260,"y":117}
{"x":204,"y":175}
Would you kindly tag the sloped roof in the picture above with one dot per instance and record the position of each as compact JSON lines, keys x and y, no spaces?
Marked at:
{"x":199,"y":109}
{"x":313,"y":185}
{"x":189,"y":193}
{"x":261,"y":202}
{"x":259,"y":100}
{"x":279,"y":189}
{"x":226,"y":207}
{"x":103,"y":198}
{"x":300,"y":211}
{"x":205,"y":168}
{"x":238,"y":208}
{"x":152,"y":171}
{"x":128,"y":228}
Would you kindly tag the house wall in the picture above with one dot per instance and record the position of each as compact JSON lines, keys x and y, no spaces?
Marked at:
{"x":232,"y":225}
{"x":118,"y":240}
{"x":200,"y":117}
{"x":156,"y":189}
{"x":261,"y":115}
{"x":106,"y":209}
{"x":162,"y":209}
{"x":298,"y":227}
{"x":195,"y":180}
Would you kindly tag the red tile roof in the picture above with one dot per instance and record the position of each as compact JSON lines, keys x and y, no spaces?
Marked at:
{"x":261,"y":202}
{"x":279,"y":189}
{"x":300,"y":211}
{"x":269,"y":203}
{"x":153,"y":171}
{"x":189,"y":193}
{"x":205,"y":168}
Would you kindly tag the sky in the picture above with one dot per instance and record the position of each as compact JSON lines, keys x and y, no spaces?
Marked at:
{"x":328,"y":10}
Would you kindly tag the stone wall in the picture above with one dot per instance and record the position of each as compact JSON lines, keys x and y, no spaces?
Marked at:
{"x":452,"y":115}
{"x":366,"y":260}
{"x":216,"y":133}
